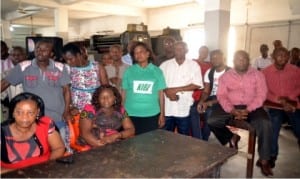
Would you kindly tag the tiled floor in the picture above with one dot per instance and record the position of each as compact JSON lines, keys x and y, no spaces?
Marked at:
{"x":287,"y":164}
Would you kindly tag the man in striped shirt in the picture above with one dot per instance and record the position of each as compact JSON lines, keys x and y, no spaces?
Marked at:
{"x":283,"y":84}
{"x":241,"y":93}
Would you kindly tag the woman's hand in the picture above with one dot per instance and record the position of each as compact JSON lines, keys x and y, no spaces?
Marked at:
{"x":161,"y":121}
{"x":101,"y":143}
{"x":111,"y":138}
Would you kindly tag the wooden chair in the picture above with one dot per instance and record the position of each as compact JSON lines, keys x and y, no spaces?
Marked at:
{"x":74,"y":134}
{"x":251,"y":143}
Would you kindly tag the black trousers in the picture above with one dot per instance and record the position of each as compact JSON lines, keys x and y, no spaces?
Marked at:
{"x":144,"y":124}
{"x":260,"y":121}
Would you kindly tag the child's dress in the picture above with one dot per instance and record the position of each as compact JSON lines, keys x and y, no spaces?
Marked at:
{"x":102,"y":124}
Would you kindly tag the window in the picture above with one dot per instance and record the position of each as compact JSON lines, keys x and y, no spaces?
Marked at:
{"x":194,"y":38}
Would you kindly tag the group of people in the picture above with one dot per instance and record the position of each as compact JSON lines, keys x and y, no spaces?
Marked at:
{"x":132,"y":94}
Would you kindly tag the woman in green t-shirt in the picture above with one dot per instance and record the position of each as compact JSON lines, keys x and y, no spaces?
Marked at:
{"x":142,"y":90}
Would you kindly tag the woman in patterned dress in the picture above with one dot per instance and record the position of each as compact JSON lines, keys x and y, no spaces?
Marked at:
{"x":86,"y":76}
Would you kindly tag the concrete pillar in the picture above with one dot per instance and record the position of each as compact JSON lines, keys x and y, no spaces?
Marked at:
{"x":61,"y":22}
{"x":6,"y":33}
{"x":217,"y":23}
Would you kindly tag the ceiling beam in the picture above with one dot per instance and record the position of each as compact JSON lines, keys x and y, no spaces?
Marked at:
{"x":112,"y":9}
{"x":36,"y":21}
{"x":16,"y":15}
{"x":107,"y":8}
{"x":43,"y":3}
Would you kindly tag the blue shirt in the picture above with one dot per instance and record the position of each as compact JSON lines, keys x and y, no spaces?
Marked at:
{"x":127,"y":59}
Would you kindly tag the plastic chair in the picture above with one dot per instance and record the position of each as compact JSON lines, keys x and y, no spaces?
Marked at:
{"x":74,"y":134}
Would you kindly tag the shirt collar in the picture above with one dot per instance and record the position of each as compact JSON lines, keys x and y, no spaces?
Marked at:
{"x":249,"y":71}
{"x":50,"y":66}
{"x":274,"y":69}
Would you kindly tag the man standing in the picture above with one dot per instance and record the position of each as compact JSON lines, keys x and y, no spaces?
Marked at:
{"x":115,"y":72}
{"x":18,"y":55}
{"x":168,"y":46}
{"x":48,"y":79}
{"x":197,"y":127}
{"x":264,"y":60}
{"x":127,"y":57}
{"x":6,"y":66}
{"x":283,"y":96}
{"x":182,"y":77}
{"x":6,"y":63}
{"x":241,"y":93}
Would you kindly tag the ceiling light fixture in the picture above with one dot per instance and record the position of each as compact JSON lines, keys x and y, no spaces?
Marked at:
{"x":11,"y":28}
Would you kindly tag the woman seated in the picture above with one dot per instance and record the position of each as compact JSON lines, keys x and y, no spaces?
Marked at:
{"x":28,"y":137}
{"x":104,"y":121}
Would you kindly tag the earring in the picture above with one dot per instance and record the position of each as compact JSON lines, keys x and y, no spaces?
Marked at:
{"x":37,"y":117}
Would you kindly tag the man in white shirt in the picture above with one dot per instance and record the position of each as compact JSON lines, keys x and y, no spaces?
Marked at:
{"x":182,"y":77}
{"x":211,"y":81}
{"x":264,"y":60}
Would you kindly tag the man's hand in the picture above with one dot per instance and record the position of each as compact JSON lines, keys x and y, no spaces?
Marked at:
{"x":171,"y":93}
{"x":244,"y":114}
{"x":240,"y":114}
{"x":288,"y":105}
{"x":202,"y":106}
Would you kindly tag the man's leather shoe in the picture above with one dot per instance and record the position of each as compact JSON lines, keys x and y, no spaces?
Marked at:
{"x":272,"y":161}
{"x":265,"y":167}
{"x":233,"y":143}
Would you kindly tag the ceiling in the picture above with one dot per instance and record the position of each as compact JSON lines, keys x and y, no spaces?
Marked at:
{"x":77,"y":9}
{"x":42,"y":11}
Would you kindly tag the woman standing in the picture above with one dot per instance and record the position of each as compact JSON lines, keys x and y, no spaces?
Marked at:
{"x":86,"y":76}
{"x":142,"y":90}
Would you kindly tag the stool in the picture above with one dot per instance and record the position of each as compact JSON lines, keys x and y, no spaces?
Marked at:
{"x":251,"y":143}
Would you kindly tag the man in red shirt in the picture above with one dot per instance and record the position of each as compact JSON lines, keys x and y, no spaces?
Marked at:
{"x":200,"y":130}
{"x":241,"y":93}
{"x":283,"y":84}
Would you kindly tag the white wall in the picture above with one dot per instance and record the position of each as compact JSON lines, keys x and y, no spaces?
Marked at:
{"x":266,"y":33}
{"x":179,"y":16}
{"x":73,"y":33}
{"x":263,"y":11}
{"x":117,"y":24}
{"x":263,"y":27}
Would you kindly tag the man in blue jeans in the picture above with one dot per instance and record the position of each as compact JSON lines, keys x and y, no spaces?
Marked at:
{"x":211,"y":81}
{"x":283,"y":84}
{"x":182,"y":77}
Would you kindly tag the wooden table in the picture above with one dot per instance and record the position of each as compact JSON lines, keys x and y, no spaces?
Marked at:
{"x":154,"y":154}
